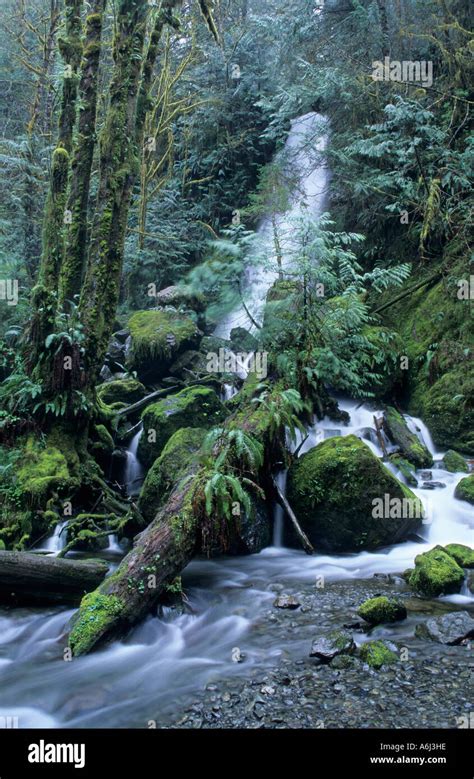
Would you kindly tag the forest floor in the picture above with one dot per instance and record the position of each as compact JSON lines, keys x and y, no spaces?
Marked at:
{"x":431,"y":688}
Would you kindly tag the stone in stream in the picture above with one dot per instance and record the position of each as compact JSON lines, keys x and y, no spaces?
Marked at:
{"x":410,"y":445}
{"x":286,"y":602}
{"x":377,"y":654}
{"x":332,"y":644}
{"x":436,"y":573}
{"x":425,"y":475}
{"x":433,"y":485}
{"x":448,"y":629}
{"x":376,"y":611}
{"x":463,"y":555}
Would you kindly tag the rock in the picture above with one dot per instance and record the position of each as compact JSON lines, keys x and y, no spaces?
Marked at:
{"x":410,"y":445}
{"x":212,"y":344}
{"x":286,"y":602}
{"x":105,"y":373}
{"x":377,"y":654}
{"x":436,"y":573}
{"x":157,"y":338}
{"x":382,"y":609}
{"x":253,"y":530}
{"x":336,"y":491}
{"x":465,"y":489}
{"x":190,"y":361}
{"x":425,"y":475}
{"x":168,"y":467}
{"x":329,"y":645}
{"x":406,"y":469}
{"x":181,"y":297}
{"x":454,"y":462}
{"x":449,"y":629}
{"x":242,"y":340}
{"x":193,"y":406}
{"x":104,"y":443}
{"x":433,"y":485}
{"x":120,"y":393}
{"x":463,"y":555}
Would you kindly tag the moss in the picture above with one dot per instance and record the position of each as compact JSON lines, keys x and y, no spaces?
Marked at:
{"x":406,"y":468}
{"x":42,"y":470}
{"x":123,"y":391}
{"x":157,"y":338}
{"x":96,"y":612}
{"x":334,"y":490}
{"x":382,"y":609}
{"x":454,"y":462}
{"x":410,"y":445}
{"x":377,"y":654}
{"x":105,"y":442}
{"x":465,"y":489}
{"x":193,"y":406}
{"x":436,"y":573}
{"x":463,"y":555}
{"x":167,"y":469}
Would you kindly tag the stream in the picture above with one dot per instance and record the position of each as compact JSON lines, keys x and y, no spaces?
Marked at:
{"x":176,"y":658}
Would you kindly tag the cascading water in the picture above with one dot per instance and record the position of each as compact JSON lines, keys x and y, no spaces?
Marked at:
{"x":56,"y":542}
{"x":166,"y":660}
{"x":133,"y":476}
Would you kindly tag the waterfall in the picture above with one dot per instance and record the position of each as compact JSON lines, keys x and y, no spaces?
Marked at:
{"x":278,"y":511}
{"x":133,"y":476}
{"x":56,"y":541}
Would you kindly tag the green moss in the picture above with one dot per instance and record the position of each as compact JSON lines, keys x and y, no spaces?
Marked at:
{"x":123,"y":391}
{"x":465,"y":489}
{"x":377,"y":654}
{"x":192,"y":407}
{"x":410,"y":445}
{"x":406,"y":468}
{"x":436,"y":573}
{"x":463,"y":555}
{"x":96,"y":612}
{"x":157,"y":337}
{"x":42,"y":470}
{"x":167,"y":469}
{"x":454,"y":462}
{"x":105,"y":442}
{"x":2,"y":545}
{"x":334,"y":490}
{"x":382,"y":609}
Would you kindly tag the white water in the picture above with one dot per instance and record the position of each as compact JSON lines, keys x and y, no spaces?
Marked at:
{"x":56,"y":542}
{"x":278,"y":512}
{"x":133,"y":468}
{"x":166,"y":660}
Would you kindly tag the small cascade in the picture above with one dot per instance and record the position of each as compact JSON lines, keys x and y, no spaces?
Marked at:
{"x":56,"y":542}
{"x":418,"y":427}
{"x":133,"y":476}
{"x":114,"y":546}
{"x":278,"y":512}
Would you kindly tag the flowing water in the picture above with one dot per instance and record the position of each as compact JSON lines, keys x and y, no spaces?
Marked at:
{"x":167,"y":659}
{"x":134,"y":473}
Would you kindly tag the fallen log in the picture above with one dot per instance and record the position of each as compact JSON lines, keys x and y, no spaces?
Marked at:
{"x":29,"y":579}
{"x":305,"y":542}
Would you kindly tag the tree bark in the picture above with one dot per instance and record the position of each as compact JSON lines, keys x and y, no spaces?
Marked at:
{"x":37,"y":579}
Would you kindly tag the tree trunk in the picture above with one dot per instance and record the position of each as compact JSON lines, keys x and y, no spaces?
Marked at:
{"x":36,"y":579}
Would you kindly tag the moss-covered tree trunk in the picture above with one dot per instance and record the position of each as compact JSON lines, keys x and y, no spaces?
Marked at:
{"x":78,"y":198}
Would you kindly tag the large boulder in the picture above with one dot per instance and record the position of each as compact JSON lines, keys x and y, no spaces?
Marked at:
{"x":165,"y":472}
{"x":436,"y":573}
{"x":156,"y":338}
{"x":192,"y":407}
{"x":465,"y":489}
{"x":409,"y":443}
{"x":463,"y":555}
{"x":336,"y":491}
{"x":454,"y":462}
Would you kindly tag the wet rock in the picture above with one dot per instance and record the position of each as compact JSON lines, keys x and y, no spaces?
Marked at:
{"x":425,"y":475}
{"x":454,"y":462}
{"x":448,"y":629}
{"x":409,"y":443}
{"x":375,"y":611}
{"x":463,"y":555}
{"x":433,"y":485}
{"x":329,"y":645}
{"x":465,"y":489}
{"x":286,"y":602}
{"x":436,"y":573}
{"x":377,"y":654}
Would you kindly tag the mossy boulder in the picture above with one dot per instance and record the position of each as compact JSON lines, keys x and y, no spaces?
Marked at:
{"x":465,"y":489}
{"x":454,"y":462}
{"x":410,"y":445}
{"x":192,"y":407}
{"x":157,"y":337}
{"x":436,"y":573}
{"x":448,"y":409}
{"x":406,"y":468}
{"x":165,"y":472}
{"x":463,"y":555}
{"x":41,"y":470}
{"x":337,"y":490}
{"x":120,"y":392}
{"x":377,"y":654}
{"x":381,"y":609}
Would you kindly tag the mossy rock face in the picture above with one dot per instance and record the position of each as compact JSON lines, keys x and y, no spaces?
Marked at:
{"x":410,"y":445}
{"x":377,"y":654}
{"x":378,"y":610}
{"x":448,"y":410}
{"x":104,"y":443}
{"x":463,"y":555}
{"x":167,"y":469}
{"x":454,"y":462}
{"x":406,"y":469}
{"x":465,"y":489}
{"x":157,"y":337}
{"x":192,"y":407}
{"x":42,"y":470}
{"x":122,"y":392}
{"x":436,"y":573}
{"x":333,"y":490}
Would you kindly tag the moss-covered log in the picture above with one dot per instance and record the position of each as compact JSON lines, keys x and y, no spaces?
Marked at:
{"x":36,"y":579}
